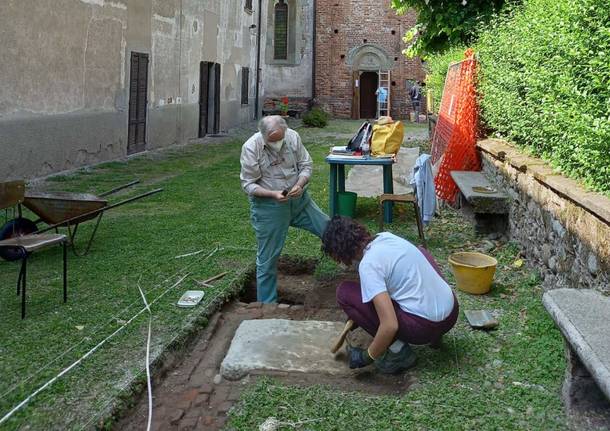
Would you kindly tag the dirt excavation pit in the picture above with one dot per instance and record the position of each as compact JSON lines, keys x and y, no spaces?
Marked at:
{"x":195,"y":395}
{"x":297,"y":285}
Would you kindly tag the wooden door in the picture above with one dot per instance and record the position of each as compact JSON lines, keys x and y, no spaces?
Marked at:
{"x":204,"y":86}
{"x":216,"y":98}
{"x":368,"y":100}
{"x":138,"y":101}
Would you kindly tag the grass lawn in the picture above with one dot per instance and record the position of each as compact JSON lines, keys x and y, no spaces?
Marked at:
{"x":508,"y":378}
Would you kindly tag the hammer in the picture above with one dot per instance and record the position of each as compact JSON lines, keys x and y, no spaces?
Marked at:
{"x":348,"y":327}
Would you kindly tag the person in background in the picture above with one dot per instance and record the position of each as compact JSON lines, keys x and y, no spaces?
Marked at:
{"x":382,"y":98}
{"x":275,"y":171}
{"x":401,"y":299}
{"x":415,"y":94}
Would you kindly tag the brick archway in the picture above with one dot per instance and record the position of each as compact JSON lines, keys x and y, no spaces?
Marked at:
{"x":365,"y":60}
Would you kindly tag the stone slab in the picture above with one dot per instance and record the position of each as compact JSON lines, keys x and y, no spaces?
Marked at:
{"x":596,"y":203}
{"x":283,"y":345}
{"x":486,"y":203}
{"x":367,"y":181}
{"x":583,"y":316}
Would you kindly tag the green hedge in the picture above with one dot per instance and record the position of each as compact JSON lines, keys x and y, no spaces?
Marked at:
{"x":545,"y":83}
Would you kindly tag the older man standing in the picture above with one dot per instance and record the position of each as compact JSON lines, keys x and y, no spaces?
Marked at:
{"x":275,"y":170}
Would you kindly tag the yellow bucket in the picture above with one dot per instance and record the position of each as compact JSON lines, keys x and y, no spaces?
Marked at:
{"x":474,"y":272}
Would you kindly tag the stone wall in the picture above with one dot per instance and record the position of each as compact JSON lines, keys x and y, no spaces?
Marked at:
{"x":562,"y":228}
{"x":65,"y":70}
{"x":353,"y":30}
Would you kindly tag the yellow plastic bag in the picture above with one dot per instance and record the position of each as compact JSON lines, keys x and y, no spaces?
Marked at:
{"x":387,"y":138}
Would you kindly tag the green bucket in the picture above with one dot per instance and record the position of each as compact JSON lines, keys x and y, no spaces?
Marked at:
{"x":347,"y":204}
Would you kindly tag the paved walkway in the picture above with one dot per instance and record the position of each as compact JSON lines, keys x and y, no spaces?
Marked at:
{"x":367,"y":182}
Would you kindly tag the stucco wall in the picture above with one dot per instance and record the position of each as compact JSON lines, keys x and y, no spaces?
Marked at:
{"x":563,"y":229}
{"x":64,"y":76}
{"x":291,"y":78}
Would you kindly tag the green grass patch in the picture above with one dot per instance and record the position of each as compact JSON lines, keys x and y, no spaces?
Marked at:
{"x":509,"y":378}
{"x":203,"y":208}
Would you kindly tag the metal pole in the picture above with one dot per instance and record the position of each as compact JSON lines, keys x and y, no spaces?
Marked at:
{"x":313,"y":50}
{"x":116,"y":189}
{"x":258,"y":59}
{"x":65,"y":251}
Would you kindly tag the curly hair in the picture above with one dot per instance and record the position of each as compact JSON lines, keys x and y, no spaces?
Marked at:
{"x":344,"y":238}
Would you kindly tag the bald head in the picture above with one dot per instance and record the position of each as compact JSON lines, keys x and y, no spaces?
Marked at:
{"x":272,"y":128}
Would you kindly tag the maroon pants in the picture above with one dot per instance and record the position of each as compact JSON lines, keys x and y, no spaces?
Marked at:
{"x":412,"y":329}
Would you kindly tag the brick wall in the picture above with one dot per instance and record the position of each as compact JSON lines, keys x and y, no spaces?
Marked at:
{"x":346,"y":24}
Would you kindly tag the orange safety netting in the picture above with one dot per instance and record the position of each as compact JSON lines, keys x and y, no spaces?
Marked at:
{"x":454,"y":140}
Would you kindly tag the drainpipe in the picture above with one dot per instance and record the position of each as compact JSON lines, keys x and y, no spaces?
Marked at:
{"x":258,"y":58}
{"x":313,"y":59}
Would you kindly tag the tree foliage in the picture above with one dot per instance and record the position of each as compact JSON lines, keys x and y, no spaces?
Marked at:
{"x":444,"y":23}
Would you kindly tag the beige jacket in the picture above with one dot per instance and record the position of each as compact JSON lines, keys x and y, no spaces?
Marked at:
{"x":263,"y":167}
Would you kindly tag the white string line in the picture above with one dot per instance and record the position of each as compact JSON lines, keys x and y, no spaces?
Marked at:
{"x":77,"y":362}
{"x":112,"y":399}
{"x":148,"y":382}
{"x":85,"y":356}
{"x":101,"y":326}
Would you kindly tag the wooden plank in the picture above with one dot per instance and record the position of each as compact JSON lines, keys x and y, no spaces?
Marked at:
{"x":356,"y":95}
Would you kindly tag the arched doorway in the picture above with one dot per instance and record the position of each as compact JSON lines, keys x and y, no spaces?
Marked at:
{"x":365,"y":62}
{"x":369,"y":82}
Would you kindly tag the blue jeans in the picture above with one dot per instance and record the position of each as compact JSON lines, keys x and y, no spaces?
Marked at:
{"x":270,"y":220}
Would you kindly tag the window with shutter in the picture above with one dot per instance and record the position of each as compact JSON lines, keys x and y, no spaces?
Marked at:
{"x":245,"y":82}
{"x":280,"y":31}
{"x":138,"y":99}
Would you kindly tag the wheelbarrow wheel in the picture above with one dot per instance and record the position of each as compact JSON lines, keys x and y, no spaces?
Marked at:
{"x":17,"y":227}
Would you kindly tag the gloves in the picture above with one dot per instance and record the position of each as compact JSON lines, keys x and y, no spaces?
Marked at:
{"x":358,"y":357}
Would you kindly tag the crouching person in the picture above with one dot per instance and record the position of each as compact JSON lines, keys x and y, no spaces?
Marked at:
{"x":401,"y":299}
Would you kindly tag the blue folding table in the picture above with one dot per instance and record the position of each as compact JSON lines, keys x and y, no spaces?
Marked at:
{"x":337,"y":179}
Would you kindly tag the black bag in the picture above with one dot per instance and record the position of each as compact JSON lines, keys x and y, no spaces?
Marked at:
{"x":363,"y":135}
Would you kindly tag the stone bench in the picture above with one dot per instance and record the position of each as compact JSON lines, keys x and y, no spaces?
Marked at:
{"x":583,"y":316}
{"x":489,"y":209}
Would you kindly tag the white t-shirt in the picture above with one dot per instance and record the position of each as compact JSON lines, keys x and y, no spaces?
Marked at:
{"x":394,"y":265}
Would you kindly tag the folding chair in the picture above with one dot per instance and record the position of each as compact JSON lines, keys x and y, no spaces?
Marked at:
{"x":21,"y":247}
{"x":403,"y":198}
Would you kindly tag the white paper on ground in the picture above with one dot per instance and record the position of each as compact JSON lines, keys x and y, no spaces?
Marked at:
{"x":190,"y":298}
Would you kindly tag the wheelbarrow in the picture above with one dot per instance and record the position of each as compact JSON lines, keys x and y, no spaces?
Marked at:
{"x":63,"y":209}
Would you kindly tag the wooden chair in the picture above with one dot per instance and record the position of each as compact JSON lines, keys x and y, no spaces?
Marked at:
{"x":407,"y":198}
{"x":21,"y":247}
